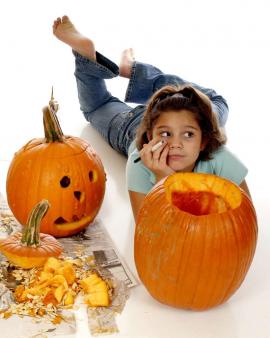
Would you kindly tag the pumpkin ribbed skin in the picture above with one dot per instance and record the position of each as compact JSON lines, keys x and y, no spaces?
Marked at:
{"x":29,"y":257}
{"x":31,"y":248}
{"x":195,"y":261}
{"x":64,"y":170}
{"x":35,"y":173}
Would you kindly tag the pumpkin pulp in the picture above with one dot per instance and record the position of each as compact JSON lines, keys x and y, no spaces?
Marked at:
{"x":202,"y":194}
{"x":199,"y":203}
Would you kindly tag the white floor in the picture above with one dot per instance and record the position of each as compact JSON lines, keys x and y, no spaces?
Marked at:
{"x":219,"y":45}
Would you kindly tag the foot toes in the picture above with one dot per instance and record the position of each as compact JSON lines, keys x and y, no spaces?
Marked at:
{"x":65,"y":19}
{"x":56,"y":23}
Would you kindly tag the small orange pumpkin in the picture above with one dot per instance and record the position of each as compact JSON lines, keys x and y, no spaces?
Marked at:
{"x":62,"y":169}
{"x":195,"y":239}
{"x":31,"y":248}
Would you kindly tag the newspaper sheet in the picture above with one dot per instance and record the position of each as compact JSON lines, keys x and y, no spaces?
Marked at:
{"x":93,"y":241}
{"x":96,"y":244}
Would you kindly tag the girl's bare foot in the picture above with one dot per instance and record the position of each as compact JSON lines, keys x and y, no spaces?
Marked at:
{"x":126,"y":62}
{"x":65,"y":31}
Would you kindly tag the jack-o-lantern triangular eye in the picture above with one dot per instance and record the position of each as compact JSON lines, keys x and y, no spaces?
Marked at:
{"x":91,"y":176}
{"x":65,"y":181}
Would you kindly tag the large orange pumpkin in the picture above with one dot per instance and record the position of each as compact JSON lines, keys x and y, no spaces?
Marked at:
{"x":195,"y":239}
{"x":64,"y":170}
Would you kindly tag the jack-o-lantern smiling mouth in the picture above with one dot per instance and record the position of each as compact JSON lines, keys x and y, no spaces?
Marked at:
{"x":76,"y":223}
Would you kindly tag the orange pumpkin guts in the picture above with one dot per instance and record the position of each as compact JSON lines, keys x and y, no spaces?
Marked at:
{"x":62,"y":169}
{"x":195,"y":239}
{"x":31,"y":248}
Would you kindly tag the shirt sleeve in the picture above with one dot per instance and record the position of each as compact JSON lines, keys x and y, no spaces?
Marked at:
{"x":225,"y":164}
{"x":138,"y":177}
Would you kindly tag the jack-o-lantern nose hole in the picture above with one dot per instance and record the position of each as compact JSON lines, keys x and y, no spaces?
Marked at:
{"x":80,"y":196}
{"x":77,"y":195}
{"x":65,"y":182}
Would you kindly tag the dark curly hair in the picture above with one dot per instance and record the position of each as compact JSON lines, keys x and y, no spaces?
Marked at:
{"x":175,"y":98}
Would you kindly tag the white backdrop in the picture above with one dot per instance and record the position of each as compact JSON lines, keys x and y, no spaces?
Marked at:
{"x":214,"y":43}
{"x":219,"y":44}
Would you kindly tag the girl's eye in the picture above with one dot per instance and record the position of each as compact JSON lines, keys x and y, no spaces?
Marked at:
{"x":188,"y":134}
{"x":165,"y":134}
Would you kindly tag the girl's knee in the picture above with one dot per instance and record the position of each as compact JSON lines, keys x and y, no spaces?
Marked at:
{"x":167,"y":79}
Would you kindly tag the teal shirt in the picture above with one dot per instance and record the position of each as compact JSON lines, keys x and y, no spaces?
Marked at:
{"x":223,"y":163}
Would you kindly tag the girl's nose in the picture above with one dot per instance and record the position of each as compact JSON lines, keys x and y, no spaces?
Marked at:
{"x":178,"y":145}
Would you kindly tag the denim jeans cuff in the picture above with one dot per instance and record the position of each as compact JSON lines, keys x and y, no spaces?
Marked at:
{"x":102,"y":66}
{"x":137,"y":91}
{"x":132,"y":80}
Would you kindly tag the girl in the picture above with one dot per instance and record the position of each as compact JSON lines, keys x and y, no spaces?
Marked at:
{"x":178,"y":130}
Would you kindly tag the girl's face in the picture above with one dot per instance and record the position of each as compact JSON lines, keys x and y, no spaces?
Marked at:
{"x":183,"y":136}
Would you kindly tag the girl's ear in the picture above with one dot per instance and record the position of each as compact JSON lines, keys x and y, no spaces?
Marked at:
{"x":203,"y":144}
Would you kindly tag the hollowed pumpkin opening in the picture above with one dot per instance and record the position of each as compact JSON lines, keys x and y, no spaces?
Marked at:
{"x":201,"y":194}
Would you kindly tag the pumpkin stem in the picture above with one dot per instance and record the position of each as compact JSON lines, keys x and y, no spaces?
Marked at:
{"x":52,"y":129}
{"x":31,"y":236}
{"x":53,"y":103}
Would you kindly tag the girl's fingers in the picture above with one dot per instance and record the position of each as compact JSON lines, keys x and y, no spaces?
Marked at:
{"x":160,"y":157}
{"x":152,"y":143}
{"x":150,"y":148}
{"x":164,"y":154}
{"x":151,"y":154}
{"x":158,"y":149}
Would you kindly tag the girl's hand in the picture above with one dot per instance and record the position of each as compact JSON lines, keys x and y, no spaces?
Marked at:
{"x":156,"y":159}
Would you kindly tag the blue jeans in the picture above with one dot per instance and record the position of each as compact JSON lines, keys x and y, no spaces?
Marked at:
{"x":115,"y":120}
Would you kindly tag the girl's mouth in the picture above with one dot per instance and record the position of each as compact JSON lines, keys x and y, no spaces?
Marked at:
{"x":175,"y":157}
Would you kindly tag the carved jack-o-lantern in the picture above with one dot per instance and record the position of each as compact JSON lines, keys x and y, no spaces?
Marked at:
{"x":64,"y":170}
